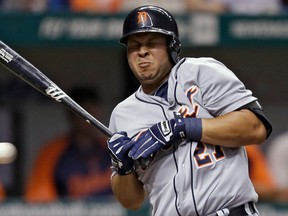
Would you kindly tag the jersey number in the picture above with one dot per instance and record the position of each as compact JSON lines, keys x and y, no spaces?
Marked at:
{"x":203,"y":158}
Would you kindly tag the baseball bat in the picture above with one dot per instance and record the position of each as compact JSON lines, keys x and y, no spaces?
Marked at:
{"x":34,"y":77}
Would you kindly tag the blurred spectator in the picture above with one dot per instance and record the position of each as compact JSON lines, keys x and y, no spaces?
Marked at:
{"x":278,"y":160}
{"x":2,"y":192}
{"x":91,"y":6}
{"x":12,"y":5}
{"x":263,"y":176}
{"x":251,"y":7}
{"x":174,"y":6}
{"x":285,"y":5}
{"x":46,"y":5}
{"x":58,"y":5}
{"x":212,"y":6}
{"x":260,"y":173}
{"x":76,"y":165}
{"x":99,"y":6}
{"x":35,"y":5}
{"x":248,"y":7}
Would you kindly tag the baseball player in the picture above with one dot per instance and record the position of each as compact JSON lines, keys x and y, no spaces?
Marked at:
{"x":189,"y":122}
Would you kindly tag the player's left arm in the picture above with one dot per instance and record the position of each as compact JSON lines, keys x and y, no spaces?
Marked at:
{"x":247,"y":125}
{"x":244,"y":126}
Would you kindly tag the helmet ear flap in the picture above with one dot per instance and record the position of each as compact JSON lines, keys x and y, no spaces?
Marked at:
{"x":175,"y":49}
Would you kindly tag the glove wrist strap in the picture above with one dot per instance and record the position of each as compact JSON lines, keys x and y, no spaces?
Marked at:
{"x":193,"y":127}
{"x":121,"y":171}
{"x":180,"y":125}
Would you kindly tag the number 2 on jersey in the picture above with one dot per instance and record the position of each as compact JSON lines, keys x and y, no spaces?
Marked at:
{"x":204,"y":158}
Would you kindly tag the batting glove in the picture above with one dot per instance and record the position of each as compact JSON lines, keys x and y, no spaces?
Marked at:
{"x":119,"y":145}
{"x":160,"y":135}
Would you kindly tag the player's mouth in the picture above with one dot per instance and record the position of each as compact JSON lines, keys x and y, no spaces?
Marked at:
{"x":143,"y":65}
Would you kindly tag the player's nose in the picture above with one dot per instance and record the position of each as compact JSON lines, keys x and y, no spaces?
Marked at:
{"x":143,"y":51}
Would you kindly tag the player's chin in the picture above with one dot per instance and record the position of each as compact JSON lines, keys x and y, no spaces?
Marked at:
{"x":146,"y":78}
{"x":148,"y":83}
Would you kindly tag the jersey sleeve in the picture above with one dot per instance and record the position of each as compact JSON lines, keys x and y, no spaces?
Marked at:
{"x":112,"y":124}
{"x":220,"y":89}
{"x":115,"y":121}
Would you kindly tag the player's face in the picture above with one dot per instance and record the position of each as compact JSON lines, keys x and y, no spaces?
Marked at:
{"x":148,"y":58}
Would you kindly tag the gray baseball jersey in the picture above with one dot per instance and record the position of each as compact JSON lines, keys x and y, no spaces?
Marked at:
{"x":191,"y":178}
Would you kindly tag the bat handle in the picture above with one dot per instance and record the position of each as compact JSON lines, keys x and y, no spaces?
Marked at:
{"x":103,"y":129}
{"x":145,"y":162}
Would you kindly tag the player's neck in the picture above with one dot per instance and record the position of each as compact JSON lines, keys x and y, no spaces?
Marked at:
{"x":149,"y":89}
{"x":152,"y":88}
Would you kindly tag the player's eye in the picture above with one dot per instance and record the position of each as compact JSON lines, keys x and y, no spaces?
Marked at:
{"x":156,"y":43}
{"x":132,"y":47}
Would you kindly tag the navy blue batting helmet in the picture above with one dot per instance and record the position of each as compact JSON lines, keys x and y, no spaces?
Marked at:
{"x":153,"y":19}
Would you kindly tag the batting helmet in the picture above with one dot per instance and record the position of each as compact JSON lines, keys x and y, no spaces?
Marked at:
{"x":153,"y":19}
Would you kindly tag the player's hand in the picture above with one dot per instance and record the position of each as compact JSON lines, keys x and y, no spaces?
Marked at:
{"x":119,"y":145}
{"x":160,"y":135}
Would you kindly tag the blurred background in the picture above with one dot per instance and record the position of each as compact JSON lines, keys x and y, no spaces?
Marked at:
{"x":76,"y":43}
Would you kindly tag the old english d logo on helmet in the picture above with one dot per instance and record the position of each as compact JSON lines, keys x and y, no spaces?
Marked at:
{"x":151,"y":18}
{"x":144,"y":19}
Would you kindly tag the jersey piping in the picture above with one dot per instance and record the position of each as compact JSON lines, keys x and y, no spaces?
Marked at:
{"x":191,"y":162}
{"x":174,"y":183}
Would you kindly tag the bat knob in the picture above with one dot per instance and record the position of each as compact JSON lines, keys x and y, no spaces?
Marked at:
{"x":146,"y":162}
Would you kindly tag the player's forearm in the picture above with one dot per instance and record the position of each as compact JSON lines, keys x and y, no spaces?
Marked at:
{"x":234,"y":129}
{"x":128,"y":190}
